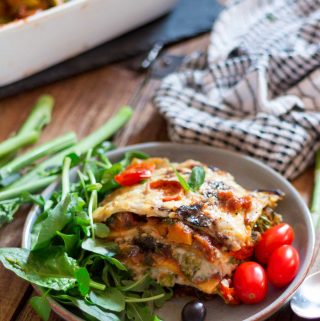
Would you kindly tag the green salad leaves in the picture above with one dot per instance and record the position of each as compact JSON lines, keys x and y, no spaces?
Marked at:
{"x":69,"y":258}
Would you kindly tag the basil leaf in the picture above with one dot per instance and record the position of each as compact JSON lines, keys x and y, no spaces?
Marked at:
{"x":197,"y":178}
{"x":41,"y":306}
{"x":56,"y":221}
{"x":83,"y":279}
{"x":111,"y":299}
{"x":50,"y":268}
{"x":182,"y":181}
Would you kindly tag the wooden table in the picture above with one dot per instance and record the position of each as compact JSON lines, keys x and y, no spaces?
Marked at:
{"x":83,"y":103}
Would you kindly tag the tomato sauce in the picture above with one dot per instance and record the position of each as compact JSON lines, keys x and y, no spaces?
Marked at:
{"x":231,"y":203}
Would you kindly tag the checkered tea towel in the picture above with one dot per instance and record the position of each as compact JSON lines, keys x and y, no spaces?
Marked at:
{"x":257,"y":88}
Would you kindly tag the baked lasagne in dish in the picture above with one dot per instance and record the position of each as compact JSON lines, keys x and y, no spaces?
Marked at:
{"x":11,"y":10}
{"x":190,"y":237}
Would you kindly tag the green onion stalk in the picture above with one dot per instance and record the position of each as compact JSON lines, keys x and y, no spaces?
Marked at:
{"x":94,"y":139}
{"x":30,"y":187}
{"x":34,"y":181}
{"x":14,"y":143}
{"x":40,"y":115}
{"x":37,"y":153}
{"x":30,"y":131}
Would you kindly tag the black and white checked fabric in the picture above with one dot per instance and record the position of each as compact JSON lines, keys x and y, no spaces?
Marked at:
{"x":257,"y":88}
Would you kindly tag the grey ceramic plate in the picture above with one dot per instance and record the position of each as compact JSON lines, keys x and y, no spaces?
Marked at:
{"x":251,"y":174}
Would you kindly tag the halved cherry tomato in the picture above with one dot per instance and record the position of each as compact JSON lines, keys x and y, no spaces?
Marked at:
{"x":272,"y":239}
{"x":171,"y":189}
{"x":283,"y":266}
{"x":135,"y":173}
{"x":250,"y":282}
{"x":131,"y":178}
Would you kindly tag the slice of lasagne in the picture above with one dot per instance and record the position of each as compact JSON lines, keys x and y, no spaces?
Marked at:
{"x":188,"y":237}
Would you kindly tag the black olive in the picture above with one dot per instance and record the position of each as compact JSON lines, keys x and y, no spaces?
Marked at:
{"x":194,"y":311}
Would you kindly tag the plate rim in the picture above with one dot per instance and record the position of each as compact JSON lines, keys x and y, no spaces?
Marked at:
{"x":259,"y":316}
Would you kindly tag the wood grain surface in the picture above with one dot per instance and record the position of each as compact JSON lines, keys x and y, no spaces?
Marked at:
{"x":83,"y":103}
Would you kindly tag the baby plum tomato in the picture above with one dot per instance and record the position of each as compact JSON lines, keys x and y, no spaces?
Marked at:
{"x":250,"y":282}
{"x":283,"y":266}
{"x":272,"y":239}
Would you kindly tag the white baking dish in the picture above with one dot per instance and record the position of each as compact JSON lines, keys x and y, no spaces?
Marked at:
{"x":44,"y":39}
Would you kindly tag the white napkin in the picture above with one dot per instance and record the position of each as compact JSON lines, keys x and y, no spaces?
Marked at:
{"x":257,"y":89}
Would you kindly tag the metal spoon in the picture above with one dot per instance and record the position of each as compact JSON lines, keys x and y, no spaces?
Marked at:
{"x":306,"y":301}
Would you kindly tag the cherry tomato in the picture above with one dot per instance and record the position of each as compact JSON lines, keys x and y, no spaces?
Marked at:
{"x":283,"y":266}
{"x":272,"y":239}
{"x":135,"y":173}
{"x":131,"y":178}
{"x":250,"y":282}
